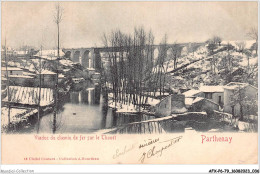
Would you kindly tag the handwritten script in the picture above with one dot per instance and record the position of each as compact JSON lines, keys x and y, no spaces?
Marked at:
{"x":148,"y":142}
{"x":158,"y":150}
{"x":123,"y":152}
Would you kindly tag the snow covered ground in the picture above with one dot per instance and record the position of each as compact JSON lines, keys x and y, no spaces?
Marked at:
{"x":130,"y":107}
{"x":66,"y":62}
{"x":123,"y":107}
{"x":16,"y":115}
{"x":248,"y":43}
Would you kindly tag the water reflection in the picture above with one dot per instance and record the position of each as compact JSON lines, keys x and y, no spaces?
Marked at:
{"x":86,"y":96}
{"x":125,"y":118}
{"x":86,"y":111}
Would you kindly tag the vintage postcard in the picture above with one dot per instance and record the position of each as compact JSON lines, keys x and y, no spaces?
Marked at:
{"x":129,"y":82}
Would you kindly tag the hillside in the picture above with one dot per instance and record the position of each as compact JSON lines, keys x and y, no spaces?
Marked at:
{"x":223,"y":64}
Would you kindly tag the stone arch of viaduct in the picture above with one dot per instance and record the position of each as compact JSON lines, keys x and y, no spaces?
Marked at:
{"x":84,"y":56}
{"x":90,"y":58}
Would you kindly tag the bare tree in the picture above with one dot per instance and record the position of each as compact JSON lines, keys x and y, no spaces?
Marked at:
{"x":211,"y":47}
{"x":214,"y":40}
{"x":241,"y":46}
{"x":130,"y":65}
{"x":217,"y":40}
{"x":161,"y":62}
{"x":38,"y":70}
{"x":7,"y":87}
{"x":248,"y":55}
{"x":175,"y":53}
{"x":194,"y":46}
{"x":40,"y":87}
{"x":58,"y":16}
{"x":238,"y":97}
{"x":253,"y":34}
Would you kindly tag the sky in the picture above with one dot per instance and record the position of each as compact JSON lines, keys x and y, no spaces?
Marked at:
{"x":84,"y":23}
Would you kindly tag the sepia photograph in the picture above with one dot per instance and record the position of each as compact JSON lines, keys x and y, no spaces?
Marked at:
{"x":163,"y":75}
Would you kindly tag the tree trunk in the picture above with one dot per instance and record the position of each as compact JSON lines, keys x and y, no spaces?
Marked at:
{"x":241,"y":112}
{"x":54,"y":128}
{"x":40,"y":87}
{"x":8,"y":90}
{"x":39,"y":105}
{"x":233,"y":111}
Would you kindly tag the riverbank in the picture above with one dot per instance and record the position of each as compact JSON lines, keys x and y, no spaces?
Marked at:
{"x":18,"y":117}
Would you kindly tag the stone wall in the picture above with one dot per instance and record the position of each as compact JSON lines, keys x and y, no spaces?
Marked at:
{"x":164,"y":107}
{"x":171,"y":104}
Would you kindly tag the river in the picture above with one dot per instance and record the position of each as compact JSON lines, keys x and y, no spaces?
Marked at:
{"x":85,"y":111}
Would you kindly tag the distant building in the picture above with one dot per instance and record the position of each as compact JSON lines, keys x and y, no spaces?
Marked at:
{"x":21,"y":53}
{"x":22,"y":80}
{"x":48,"y":54}
{"x":18,"y":76}
{"x":243,"y":90}
{"x":11,"y":71}
{"x":207,"y":98}
{"x":190,"y":96}
{"x":47,"y":78}
{"x":9,"y":51}
{"x":213,"y":93}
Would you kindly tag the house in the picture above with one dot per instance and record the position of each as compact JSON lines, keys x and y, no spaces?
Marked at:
{"x":11,"y":71}
{"x":49,"y":54}
{"x":213,"y":93}
{"x":191,"y":95}
{"x":8,"y":51}
{"x":236,"y":93}
{"x":207,"y":98}
{"x":21,"y":80}
{"x":47,"y":78}
{"x":171,"y":104}
{"x":18,"y":76}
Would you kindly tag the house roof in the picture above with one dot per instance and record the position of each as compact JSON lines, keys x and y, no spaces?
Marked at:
{"x":21,"y":52}
{"x":197,"y":99}
{"x":21,"y":76}
{"x":30,"y":95}
{"x":28,"y":74}
{"x":211,"y":89}
{"x":45,"y":71}
{"x":236,"y":84}
{"x":191,"y":93}
{"x":11,"y":69}
{"x":190,"y":101}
